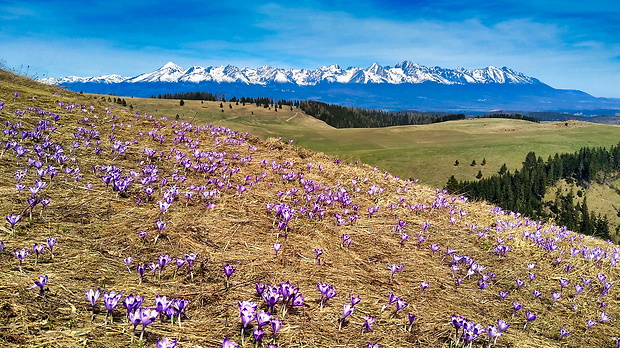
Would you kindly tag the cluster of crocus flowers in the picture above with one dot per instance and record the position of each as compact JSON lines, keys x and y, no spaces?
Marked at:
{"x":466,"y":331}
{"x":158,"y":266}
{"x":136,"y":314}
{"x":286,"y":294}
{"x":248,"y":313}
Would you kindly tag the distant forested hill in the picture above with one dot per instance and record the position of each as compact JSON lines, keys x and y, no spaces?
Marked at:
{"x":523,"y":191}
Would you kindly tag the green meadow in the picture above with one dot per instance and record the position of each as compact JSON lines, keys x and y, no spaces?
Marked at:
{"x":426,"y":152}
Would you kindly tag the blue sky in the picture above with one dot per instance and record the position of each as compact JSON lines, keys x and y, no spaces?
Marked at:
{"x":566,"y":44}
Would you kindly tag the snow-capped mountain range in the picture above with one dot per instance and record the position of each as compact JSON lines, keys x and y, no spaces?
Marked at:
{"x":405,"y":86}
{"x":401,"y":73}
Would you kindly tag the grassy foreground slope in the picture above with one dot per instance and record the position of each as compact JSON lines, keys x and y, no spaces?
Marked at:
{"x":426,"y":152}
{"x":126,"y":184}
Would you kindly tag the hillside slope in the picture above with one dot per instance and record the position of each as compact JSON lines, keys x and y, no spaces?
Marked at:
{"x":109,"y":184}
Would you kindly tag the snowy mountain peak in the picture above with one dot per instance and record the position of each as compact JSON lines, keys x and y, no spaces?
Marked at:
{"x":170,"y":66}
{"x":403,"y":72}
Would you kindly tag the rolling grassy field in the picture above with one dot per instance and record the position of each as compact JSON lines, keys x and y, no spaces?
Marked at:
{"x":426,"y":152}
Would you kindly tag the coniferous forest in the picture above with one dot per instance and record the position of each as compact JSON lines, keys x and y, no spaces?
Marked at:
{"x":523,"y":190}
{"x":350,"y":117}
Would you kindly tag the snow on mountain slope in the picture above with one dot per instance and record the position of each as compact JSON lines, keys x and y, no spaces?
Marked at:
{"x":404,"y":72}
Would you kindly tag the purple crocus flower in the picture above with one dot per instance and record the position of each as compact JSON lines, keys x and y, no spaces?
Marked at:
{"x":132,"y":303}
{"x":556,"y":296}
{"x":516,"y":306}
{"x":277,"y":247}
{"x":38,"y":250}
{"x":494,"y":334}
{"x":536,"y":293}
{"x":247,"y":313}
{"x":190,"y":259}
{"x":135,"y":318}
{"x":393,"y":269}
{"x":424,"y":284}
{"x":347,"y":310}
{"x":13,"y":219}
{"x":503,"y":294}
{"x":141,"y":268}
{"x":502,"y":325}
{"x":400,"y":304}
{"x":258,"y":334}
{"x":263,"y":318}
{"x":128,"y":261}
{"x":163,"y":261}
{"x":411,"y":318}
{"x":354,"y":299}
{"x":563,"y":282}
{"x":317,"y":255}
{"x":604,"y":317}
{"x":578,"y":289}
{"x":276,"y":324}
{"x":346,"y":240}
{"x":519,"y":282}
{"x":92,"y":296}
{"x":166,"y":343}
{"x":529,"y":316}
{"x":228,"y":271}
{"x":40,"y":283}
{"x":564,"y":332}
{"x":227,"y":343}
{"x":110,"y":301}
{"x":369,"y":320}
{"x":162,"y":304}
{"x":143,"y":235}
{"x":21,"y":255}
{"x":147,"y":316}
{"x":434,"y":248}
{"x":51,"y":242}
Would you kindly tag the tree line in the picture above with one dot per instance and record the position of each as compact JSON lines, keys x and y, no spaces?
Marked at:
{"x":351,"y":117}
{"x":207,"y":96}
{"x":515,"y":116}
{"x":523,"y":190}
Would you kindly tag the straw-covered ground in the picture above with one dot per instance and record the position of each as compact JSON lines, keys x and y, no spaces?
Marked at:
{"x":120,"y":191}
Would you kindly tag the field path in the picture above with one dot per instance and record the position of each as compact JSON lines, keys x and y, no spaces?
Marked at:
{"x":292,"y":117}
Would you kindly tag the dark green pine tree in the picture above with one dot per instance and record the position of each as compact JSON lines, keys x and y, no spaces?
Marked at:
{"x":586,"y":225}
{"x":452,"y":185}
{"x":503,"y":169}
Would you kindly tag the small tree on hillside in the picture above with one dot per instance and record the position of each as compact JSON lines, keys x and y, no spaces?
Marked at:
{"x":452,"y":185}
{"x":503,"y":169}
{"x":181,"y":102}
{"x":479,"y":176}
{"x":473,"y":163}
{"x":456,"y":163}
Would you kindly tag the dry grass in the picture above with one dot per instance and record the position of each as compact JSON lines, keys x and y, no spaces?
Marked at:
{"x":96,"y":229}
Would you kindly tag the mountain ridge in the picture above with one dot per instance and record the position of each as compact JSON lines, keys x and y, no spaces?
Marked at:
{"x":403,"y":72}
{"x":405,"y":86}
